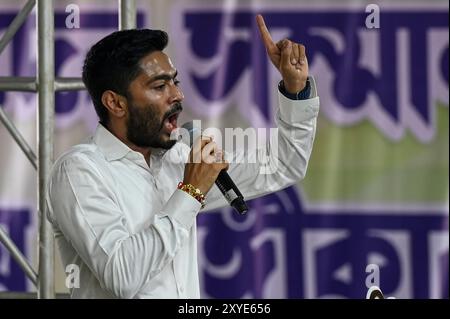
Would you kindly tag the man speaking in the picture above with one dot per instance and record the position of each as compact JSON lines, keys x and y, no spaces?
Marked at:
{"x":123,"y":206}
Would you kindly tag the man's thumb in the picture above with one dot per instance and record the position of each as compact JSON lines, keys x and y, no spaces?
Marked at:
{"x":286,"y":52}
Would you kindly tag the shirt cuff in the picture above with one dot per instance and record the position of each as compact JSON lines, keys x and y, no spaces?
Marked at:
{"x":302,"y":95}
{"x":182,"y":207}
{"x":293,"y":111}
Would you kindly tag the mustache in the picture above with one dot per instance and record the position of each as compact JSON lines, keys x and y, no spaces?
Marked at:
{"x":176,"y":108}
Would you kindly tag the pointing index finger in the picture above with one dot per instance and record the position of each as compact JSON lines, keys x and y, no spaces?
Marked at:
{"x":265,"y":35}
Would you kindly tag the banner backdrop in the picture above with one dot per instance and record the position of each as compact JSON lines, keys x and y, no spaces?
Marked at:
{"x":373,"y":208}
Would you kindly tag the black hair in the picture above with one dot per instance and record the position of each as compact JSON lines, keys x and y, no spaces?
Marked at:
{"x":113,"y":63}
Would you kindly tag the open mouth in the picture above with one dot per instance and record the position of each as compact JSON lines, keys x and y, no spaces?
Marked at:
{"x":171,"y":122}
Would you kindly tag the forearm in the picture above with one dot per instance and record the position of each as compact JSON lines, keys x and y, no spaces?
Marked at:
{"x":284,"y":159}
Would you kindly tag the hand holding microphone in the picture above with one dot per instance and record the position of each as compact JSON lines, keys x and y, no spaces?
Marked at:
{"x":206,"y":166}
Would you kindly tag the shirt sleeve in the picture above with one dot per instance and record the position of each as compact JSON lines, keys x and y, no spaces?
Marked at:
{"x":86,"y":212}
{"x":283,"y":161}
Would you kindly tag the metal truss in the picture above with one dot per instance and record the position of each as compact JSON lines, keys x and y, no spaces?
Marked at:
{"x":45,"y":84}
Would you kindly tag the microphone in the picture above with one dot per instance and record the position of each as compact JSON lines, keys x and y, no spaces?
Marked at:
{"x":223,"y":181}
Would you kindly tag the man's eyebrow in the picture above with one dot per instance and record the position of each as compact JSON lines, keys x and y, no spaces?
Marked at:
{"x":166,"y":77}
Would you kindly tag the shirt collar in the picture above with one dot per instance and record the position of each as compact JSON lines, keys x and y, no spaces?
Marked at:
{"x":115,"y":149}
{"x":111,"y":146}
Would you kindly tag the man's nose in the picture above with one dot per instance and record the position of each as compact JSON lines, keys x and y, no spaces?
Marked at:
{"x":176,"y":95}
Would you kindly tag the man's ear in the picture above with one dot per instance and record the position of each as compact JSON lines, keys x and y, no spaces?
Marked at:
{"x":115,"y":103}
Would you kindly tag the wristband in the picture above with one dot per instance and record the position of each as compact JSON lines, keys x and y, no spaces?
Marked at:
{"x":193,"y":191}
{"x":302,"y":95}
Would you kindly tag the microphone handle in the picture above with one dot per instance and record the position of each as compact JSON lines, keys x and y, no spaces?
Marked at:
{"x":231,"y":192}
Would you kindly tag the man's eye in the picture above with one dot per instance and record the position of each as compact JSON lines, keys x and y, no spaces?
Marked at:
{"x":176,"y":82}
{"x":160,"y":87}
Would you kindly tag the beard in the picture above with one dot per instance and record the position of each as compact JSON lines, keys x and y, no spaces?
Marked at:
{"x":144,"y":126}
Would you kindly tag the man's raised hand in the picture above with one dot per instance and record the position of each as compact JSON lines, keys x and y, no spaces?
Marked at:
{"x":288,"y":57}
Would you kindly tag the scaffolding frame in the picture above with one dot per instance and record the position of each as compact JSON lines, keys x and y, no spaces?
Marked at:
{"x":46,"y":85}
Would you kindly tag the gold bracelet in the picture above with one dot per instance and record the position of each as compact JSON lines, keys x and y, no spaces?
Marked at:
{"x":193,"y":191}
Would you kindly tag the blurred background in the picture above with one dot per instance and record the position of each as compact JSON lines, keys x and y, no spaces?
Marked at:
{"x":373,"y":208}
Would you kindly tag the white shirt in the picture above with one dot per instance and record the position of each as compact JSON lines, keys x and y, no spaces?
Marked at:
{"x":127,"y":227}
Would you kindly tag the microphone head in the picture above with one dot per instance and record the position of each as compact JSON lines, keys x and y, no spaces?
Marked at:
{"x":188,"y":125}
{"x":189,"y":132}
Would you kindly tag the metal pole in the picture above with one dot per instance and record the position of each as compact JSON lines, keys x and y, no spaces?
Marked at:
{"x":12,"y":83}
{"x":18,"y":256}
{"x":69,"y":84}
{"x":29,"y":84}
{"x":18,"y":138}
{"x":46,"y":106}
{"x":127,"y":14}
{"x":16,"y":23}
